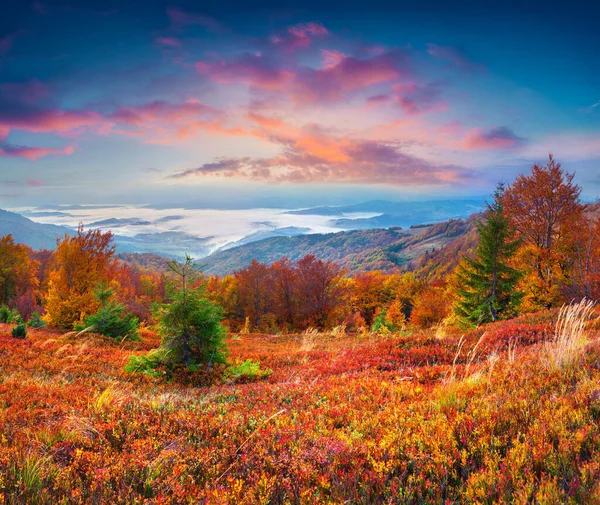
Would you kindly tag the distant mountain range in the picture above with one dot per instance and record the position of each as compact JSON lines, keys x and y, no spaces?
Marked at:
{"x":388,"y":214}
{"x":26,"y":231}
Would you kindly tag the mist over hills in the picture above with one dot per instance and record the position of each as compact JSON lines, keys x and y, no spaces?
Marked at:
{"x":383,"y":240}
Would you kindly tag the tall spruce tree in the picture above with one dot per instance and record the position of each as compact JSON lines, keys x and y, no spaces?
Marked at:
{"x":487,"y":284}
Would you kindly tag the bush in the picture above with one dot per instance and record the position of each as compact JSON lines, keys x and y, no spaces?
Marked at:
{"x":381,"y":325}
{"x":191,"y":331}
{"x":36,"y":321}
{"x":247,"y":371}
{"x":111,"y":319}
{"x":147,"y":364}
{"x":190,"y":325}
{"x":9,"y":316}
{"x":20,"y":331}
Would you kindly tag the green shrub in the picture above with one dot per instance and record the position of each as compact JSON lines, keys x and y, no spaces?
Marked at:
{"x":36,"y":321}
{"x":9,"y":316}
{"x":191,"y":330}
{"x":20,"y":331}
{"x":112,"y":319}
{"x":381,"y":324}
{"x":148,"y":363}
{"x":247,"y":371}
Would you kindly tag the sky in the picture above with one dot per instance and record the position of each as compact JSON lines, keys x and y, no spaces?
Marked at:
{"x":235,"y":105}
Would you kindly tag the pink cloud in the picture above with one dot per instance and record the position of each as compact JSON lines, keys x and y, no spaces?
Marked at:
{"x":164,"y":122}
{"x":33,"y":153}
{"x":347,"y":75}
{"x":7,"y":42}
{"x":300,"y":36}
{"x":341,"y":75}
{"x":499,"y":138}
{"x":416,"y":98}
{"x":378,"y":99}
{"x":250,"y":69}
{"x":34,"y":182}
{"x":50,"y":120}
{"x":159,"y":110}
{"x":158,"y":121}
{"x":311,"y":154}
{"x":170,"y":42}
{"x":332,"y":58}
{"x":29,"y":92}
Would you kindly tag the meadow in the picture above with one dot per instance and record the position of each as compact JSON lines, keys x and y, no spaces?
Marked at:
{"x":506,"y":413}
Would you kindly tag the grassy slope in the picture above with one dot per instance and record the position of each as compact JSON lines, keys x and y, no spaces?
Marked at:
{"x":356,"y":251}
{"x":340,"y":420}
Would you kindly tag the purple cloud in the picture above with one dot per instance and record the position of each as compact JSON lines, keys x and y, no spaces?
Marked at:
{"x":499,"y":138}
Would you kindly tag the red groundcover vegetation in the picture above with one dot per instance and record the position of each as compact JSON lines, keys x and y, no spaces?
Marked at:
{"x":341,"y":419}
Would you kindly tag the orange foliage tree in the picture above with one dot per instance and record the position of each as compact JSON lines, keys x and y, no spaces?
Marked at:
{"x":18,"y":274}
{"x":432,"y":305}
{"x":78,"y":265}
{"x":224,"y":291}
{"x":544,"y":208}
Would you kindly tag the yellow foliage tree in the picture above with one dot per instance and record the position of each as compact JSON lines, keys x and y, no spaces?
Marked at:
{"x":78,"y":265}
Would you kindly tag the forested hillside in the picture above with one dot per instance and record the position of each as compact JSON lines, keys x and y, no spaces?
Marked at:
{"x":356,"y":251}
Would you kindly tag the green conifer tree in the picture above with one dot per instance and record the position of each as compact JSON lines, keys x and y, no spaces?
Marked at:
{"x":191,"y":325}
{"x":487,"y":284}
{"x":111,"y":319}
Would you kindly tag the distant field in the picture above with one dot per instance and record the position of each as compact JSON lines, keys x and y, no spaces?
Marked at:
{"x":341,"y":419}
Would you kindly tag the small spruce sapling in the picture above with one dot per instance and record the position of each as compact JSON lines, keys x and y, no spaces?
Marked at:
{"x":191,"y":325}
{"x":112,"y":318}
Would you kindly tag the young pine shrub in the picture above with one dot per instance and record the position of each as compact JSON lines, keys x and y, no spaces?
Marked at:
{"x":36,"y":321}
{"x":20,"y":331}
{"x":9,"y":316}
{"x":570,"y":337}
{"x":4,"y":314}
{"x":190,"y":327}
{"x":112,"y":319}
{"x":383,"y":324}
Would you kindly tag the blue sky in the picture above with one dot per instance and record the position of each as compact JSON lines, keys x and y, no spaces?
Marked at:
{"x":319,"y":104}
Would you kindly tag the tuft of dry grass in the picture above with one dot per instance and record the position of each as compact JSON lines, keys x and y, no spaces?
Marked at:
{"x":570,"y":337}
{"x":309,"y":339}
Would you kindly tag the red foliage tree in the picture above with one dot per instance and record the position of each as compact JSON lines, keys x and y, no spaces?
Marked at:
{"x":320,"y":293}
{"x":543,"y":207}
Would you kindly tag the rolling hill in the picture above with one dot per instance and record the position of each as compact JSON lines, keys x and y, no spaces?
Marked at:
{"x":356,"y":251}
{"x":35,"y":235}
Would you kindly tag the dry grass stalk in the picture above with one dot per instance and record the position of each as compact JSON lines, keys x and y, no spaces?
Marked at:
{"x":570,"y":336}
